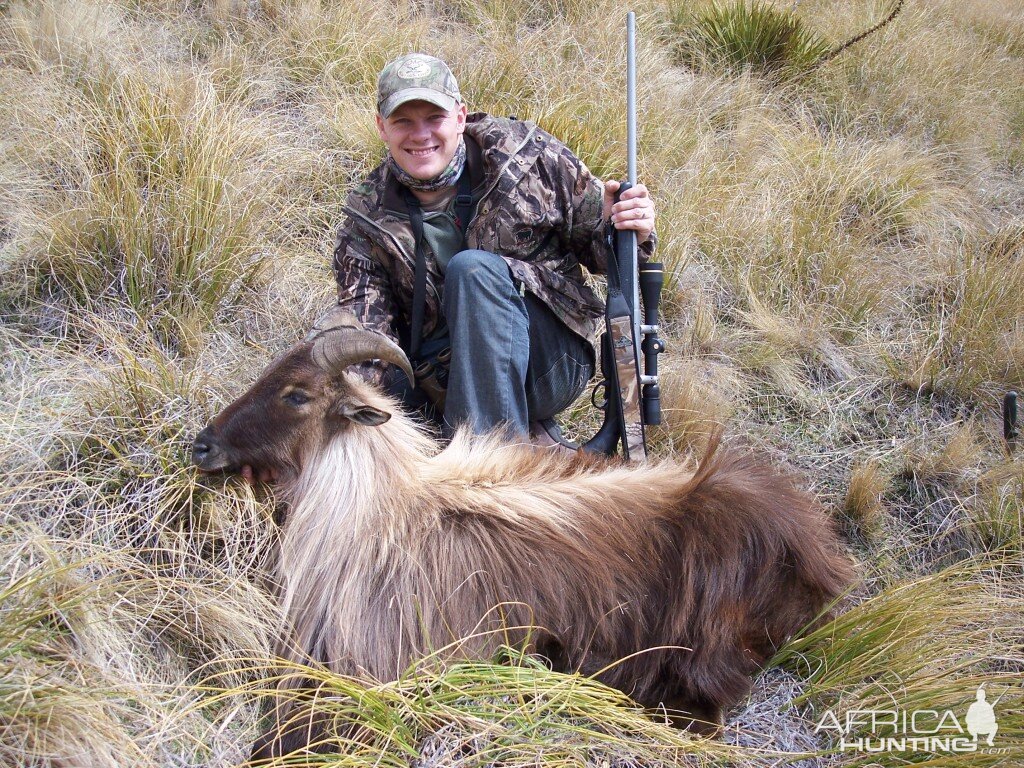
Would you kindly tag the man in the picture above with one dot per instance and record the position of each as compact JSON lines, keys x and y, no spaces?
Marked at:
{"x":502,"y":217}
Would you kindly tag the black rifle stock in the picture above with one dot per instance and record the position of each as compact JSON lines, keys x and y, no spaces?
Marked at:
{"x":632,"y":398}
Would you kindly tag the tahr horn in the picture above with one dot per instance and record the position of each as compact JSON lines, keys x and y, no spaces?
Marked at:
{"x":339,"y":340}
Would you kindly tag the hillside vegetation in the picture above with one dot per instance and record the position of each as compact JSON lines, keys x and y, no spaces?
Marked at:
{"x":844,"y":246}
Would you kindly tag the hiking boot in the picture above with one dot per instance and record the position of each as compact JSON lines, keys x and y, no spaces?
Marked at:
{"x":547,"y":434}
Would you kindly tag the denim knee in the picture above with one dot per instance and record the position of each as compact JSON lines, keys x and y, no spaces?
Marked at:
{"x":477,"y":266}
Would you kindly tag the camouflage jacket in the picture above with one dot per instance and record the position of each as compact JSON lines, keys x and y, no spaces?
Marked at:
{"x":537,"y":206}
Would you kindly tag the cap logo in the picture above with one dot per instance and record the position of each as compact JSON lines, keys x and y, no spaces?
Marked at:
{"x":414,"y":69}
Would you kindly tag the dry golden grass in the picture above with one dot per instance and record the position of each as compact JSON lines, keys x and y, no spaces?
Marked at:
{"x":927,"y":644}
{"x":998,"y":512}
{"x":843,"y":252}
{"x":977,"y":341}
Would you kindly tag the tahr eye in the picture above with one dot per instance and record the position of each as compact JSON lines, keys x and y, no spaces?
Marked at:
{"x":296,"y":398}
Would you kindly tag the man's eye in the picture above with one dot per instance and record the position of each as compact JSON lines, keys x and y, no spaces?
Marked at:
{"x":296,"y":398}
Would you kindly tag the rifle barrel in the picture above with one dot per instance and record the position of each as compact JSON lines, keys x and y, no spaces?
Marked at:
{"x":631,"y":97}
{"x":628,"y":260}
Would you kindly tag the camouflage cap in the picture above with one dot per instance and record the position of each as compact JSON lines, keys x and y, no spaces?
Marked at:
{"x":416,"y":77}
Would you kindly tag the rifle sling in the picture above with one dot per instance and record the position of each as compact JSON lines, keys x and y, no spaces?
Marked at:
{"x":625,"y":361}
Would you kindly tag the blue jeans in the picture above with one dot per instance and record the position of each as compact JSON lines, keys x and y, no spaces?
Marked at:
{"x":513,"y":361}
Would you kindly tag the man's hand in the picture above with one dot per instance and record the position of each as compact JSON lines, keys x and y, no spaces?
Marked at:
{"x":264,"y":476}
{"x":634,"y":211}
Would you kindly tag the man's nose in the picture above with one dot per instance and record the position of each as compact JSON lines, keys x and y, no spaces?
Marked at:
{"x":421,"y":130}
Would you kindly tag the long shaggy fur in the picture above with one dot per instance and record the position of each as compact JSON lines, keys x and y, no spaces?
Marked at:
{"x":394,"y":549}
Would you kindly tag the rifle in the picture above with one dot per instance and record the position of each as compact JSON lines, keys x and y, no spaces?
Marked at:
{"x":631,"y":399}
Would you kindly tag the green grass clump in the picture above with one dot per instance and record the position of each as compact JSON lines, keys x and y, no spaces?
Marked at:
{"x":509,"y":711}
{"x":723,"y":36}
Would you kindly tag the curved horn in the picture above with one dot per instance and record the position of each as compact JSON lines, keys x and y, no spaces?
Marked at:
{"x":335,"y":317}
{"x":340,"y":347}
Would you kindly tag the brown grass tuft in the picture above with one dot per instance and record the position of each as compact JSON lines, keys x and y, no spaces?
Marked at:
{"x":862,"y":505}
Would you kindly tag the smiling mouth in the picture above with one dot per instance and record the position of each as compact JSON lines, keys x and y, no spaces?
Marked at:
{"x":422,"y":152}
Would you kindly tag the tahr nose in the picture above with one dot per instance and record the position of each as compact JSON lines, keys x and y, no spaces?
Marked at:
{"x":204,"y":448}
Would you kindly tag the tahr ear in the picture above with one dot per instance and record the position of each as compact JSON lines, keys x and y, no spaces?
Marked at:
{"x":359,"y":413}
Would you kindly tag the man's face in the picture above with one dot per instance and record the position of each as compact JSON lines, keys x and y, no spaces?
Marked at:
{"x":422,"y":137}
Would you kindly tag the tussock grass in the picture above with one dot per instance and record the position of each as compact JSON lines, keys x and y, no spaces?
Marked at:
{"x":889,"y":652}
{"x":346,"y":44}
{"x":862,"y":505}
{"x":167,"y":217}
{"x":977,"y":326}
{"x":68,"y":34}
{"x":815,"y":220}
{"x":62,"y":707}
{"x":998,"y":513}
{"x":76,"y":687}
{"x":930,"y":76}
{"x":951,"y":464}
{"x":697,"y":401}
{"x":512,"y":711}
{"x":733,"y":35}
{"x":843,"y":256}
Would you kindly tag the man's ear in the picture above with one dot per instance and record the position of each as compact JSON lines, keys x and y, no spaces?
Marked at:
{"x":359,"y":413}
